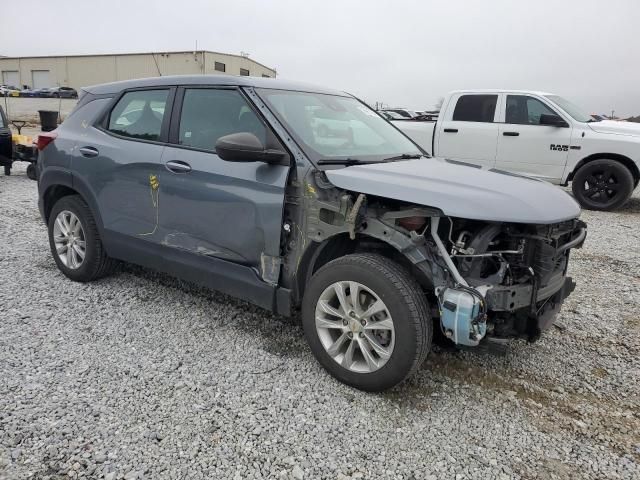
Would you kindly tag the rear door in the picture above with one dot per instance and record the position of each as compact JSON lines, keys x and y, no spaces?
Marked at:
{"x":211,"y":207}
{"x":119,"y":160}
{"x":525,"y":146}
{"x":469,"y":131}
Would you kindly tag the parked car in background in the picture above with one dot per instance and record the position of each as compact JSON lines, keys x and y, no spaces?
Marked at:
{"x":402,"y":111}
{"x":6,"y":143}
{"x":227,"y":181}
{"x":9,"y":91}
{"x":57,"y":92}
{"x":540,"y":135}
{"x":389,"y":115}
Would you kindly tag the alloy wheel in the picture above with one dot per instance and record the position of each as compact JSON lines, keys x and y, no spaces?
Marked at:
{"x":355,"y":327}
{"x":69,"y":240}
{"x":601,"y":186}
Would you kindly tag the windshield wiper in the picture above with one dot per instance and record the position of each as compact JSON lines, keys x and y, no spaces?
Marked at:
{"x":357,"y":161}
{"x":344,"y":161}
{"x":404,"y":156}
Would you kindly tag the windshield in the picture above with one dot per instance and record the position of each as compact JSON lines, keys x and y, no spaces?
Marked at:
{"x":570,"y":108}
{"x":331,"y":127}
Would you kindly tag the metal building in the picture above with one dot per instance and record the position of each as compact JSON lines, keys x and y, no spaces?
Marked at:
{"x":82,"y":70}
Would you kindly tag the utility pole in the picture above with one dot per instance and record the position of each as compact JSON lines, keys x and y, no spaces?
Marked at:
{"x":612,"y":112}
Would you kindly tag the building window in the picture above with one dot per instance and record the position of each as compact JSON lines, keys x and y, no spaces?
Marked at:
{"x":220,"y":67}
{"x":244,"y":72}
{"x":266,"y":76}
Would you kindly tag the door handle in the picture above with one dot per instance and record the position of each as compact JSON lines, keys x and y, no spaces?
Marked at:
{"x":178,"y":166}
{"x":511,"y":134}
{"x":89,"y":151}
{"x":451,"y":130}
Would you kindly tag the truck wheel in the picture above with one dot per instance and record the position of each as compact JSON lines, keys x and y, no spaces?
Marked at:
{"x":367,"y":321}
{"x":75,"y":241}
{"x":7,"y":170}
{"x":602,"y":185}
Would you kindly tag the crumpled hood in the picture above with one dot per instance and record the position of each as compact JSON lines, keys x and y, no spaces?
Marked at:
{"x":461,"y":190}
{"x":621,"y":128}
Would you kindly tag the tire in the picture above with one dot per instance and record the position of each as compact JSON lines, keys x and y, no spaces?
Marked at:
{"x":602,"y":185}
{"x":31,"y":171}
{"x":7,"y":170}
{"x":406,"y":346}
{"x":96,"y":263}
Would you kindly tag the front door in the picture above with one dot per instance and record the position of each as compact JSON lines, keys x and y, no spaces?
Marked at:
{"x":469,"y":132}
{"x":211,"y":207}
{"x":525,"y":146}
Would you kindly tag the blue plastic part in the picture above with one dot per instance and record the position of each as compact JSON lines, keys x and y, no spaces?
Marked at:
{"x":460,"y":317}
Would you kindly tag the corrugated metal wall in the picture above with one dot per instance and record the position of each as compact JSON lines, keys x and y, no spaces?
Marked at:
{"x":79,"y":71}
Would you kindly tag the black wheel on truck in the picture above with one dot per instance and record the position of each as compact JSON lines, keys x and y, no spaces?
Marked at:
{"x":367,"y":321}
{"x":602,"y":185}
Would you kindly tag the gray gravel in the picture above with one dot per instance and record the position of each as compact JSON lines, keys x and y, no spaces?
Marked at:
{"x":143,"y":376}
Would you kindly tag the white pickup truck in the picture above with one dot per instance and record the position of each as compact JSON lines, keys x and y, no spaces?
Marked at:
{"x":536,"y":134}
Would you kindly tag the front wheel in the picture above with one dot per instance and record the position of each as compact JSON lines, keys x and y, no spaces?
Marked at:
{"x":366,"y":321}
{"x":602,"y":185}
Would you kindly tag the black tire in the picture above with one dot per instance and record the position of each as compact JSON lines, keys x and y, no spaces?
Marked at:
{"x":602,"y":185}
{"x":31,"y":171}
{"x":7,"y":170}
{"x":406,"y":303}
{"x":56,"y":95}
{"x":96,"y":263}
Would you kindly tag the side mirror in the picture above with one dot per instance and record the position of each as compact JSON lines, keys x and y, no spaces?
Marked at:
{"x":552,"y":120}
{"x":246,"y":147}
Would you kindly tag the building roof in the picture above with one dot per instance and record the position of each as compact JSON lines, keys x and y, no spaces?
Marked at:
{"x":223,"y":80}
{"x":138,"y":53}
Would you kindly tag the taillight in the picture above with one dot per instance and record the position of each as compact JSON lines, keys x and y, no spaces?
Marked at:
{"x":45,"y":139}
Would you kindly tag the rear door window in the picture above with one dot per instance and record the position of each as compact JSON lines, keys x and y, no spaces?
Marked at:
{"x":139,"y":114}
{"x":475,"y":108}
{"x":208,"y":114}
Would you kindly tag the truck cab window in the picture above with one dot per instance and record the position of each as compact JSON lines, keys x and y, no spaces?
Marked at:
{"x":475,"y":108}
{"x":525,"y":110}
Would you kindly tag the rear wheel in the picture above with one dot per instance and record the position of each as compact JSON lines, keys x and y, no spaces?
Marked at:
{"x":367,"y":322}
{"x":602,"y":185}
{"x":75,"y":241}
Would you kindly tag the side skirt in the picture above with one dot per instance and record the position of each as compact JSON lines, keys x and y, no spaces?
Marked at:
{"x":236,"y":280}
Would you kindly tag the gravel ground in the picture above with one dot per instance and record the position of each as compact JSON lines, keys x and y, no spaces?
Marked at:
{"x":143,"y":376}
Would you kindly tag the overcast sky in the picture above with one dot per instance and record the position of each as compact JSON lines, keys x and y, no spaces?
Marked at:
{"x":402,"y":52}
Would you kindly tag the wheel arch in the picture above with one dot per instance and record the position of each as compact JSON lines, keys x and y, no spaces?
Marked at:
{"x":57,"y":185}
{"x":340,"y":245}
{"x":626,"y":161}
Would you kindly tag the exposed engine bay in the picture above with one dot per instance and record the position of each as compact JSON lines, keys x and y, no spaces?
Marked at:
{"x":519,"y":271}
{"x":488,"y":279}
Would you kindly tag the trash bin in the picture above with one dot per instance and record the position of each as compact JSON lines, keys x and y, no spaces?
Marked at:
{"x":48,"y":120}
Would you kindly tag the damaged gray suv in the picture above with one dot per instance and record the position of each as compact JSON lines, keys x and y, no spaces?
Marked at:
{"x":304,"y":200}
